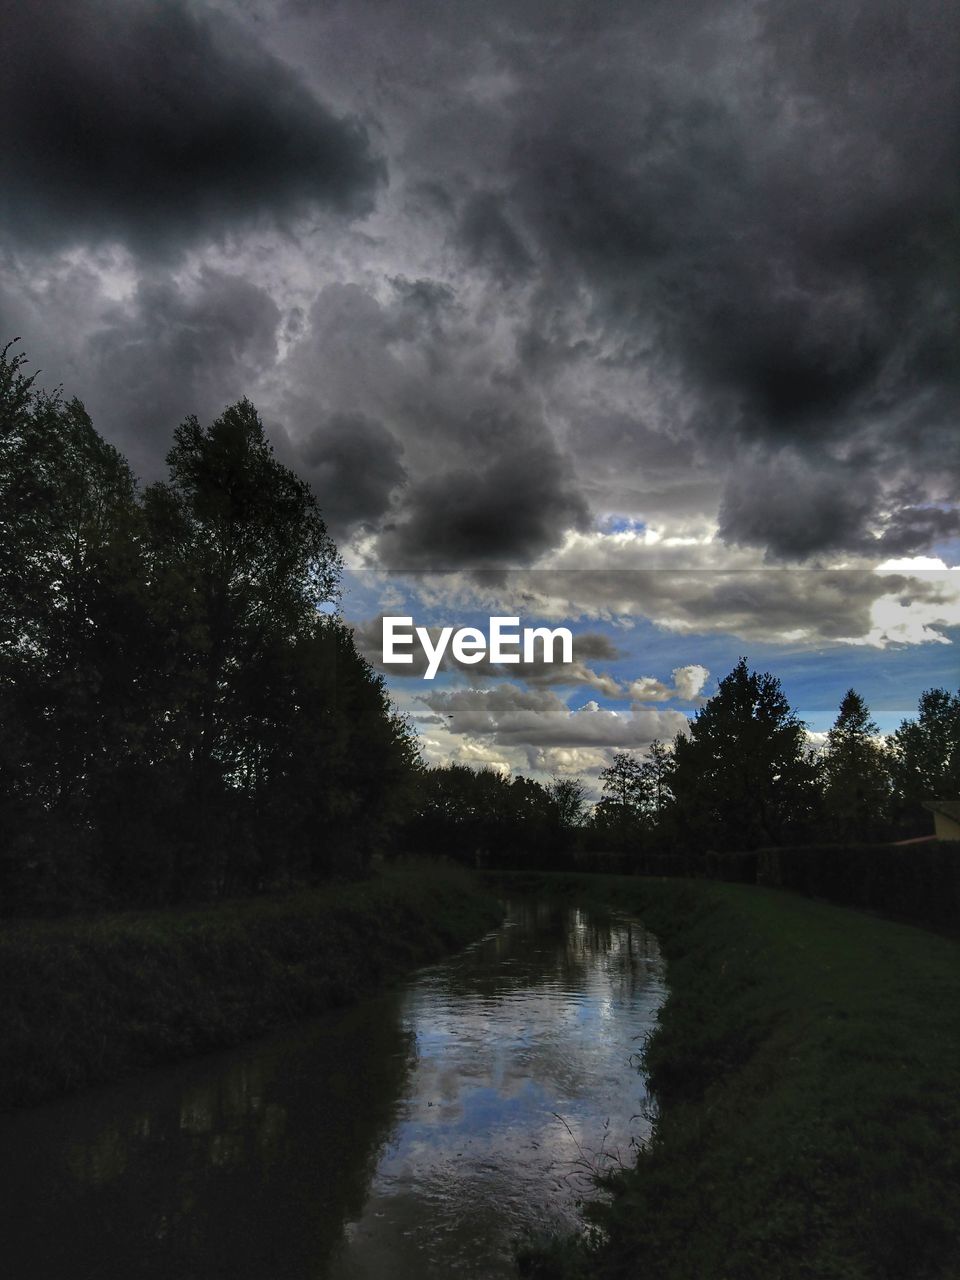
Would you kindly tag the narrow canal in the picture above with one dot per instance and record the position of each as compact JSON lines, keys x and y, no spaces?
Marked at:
{"x":416,"y":1135}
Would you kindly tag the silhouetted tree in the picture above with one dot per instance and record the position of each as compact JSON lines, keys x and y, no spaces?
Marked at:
{"x":856,"y":775}
{"x":69,"y":600}
{"x":481,"y":815}
{"x":177,"y":715}
{"x":240,"y":564}
{"x":568,"y":798}
{"x":623,"y":784}
{"x":338,"y":775}
{"x":743,"y":777}
{"x":925,"y":756}
{"x":656,"y":772}
{"x":619,"y":817}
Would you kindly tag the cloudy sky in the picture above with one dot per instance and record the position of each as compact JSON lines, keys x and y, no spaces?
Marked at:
{"x":638,"y":315}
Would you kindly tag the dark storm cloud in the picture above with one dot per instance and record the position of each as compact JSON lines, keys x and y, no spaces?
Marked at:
{"x":172,"y":351}
{"x":795,"y":510}
{"x":755,"y":207}
{"x":353,"y":464}
{"x":770,"y":213}
{"x":912,"y":529}
{"x":158,"y":125}
{"x":488,"y":238}
{"x":506,"y":509}
{"x":733,"y":273}
{"x":483,"y":481}
{"x":667,"y":262}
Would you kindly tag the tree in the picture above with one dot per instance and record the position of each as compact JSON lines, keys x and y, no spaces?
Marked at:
{"x":568,"y":798}
{"x":70,"y":623}
{"x":622,"y":782}
{"x":743,"y":778}
{"x":926,"y":755}
{"x":239,"y":564}
{"x":251,"y":547}
{"x":655,"y":773}
{"x":467,"y":813}
{"x":621,"y":811}
{"x":177,"y":716}
{"x":338,"y":776}
{"x":856,"y":775}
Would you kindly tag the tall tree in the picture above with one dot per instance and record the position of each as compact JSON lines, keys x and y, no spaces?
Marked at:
{"x":240,"y":562}
{"x":743,"y":777}
{"x":177,"y":716}
{"x":69,"y":609}
{"x":568,"y":798}
{"x":926,"y":755}
{"x":856,"y":775}
{"x":337,"y":776}
{"x":623,"y":785}
{"x":622,"y":813}
{"x":656,"y":772}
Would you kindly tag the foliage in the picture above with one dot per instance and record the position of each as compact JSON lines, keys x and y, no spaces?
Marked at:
{"x":179,"y":719}
{"x":568,"y":798}
{"x":636,"y":799}
{"x":622,"y":782}
{"x":856,"y":777}
{"x":71,"y":611}
{"x":743,"y":777}
{"x":926,"y":756}
{"x":481,"y":817}
{"x":656,"y":772}
{"x":183,"y":715}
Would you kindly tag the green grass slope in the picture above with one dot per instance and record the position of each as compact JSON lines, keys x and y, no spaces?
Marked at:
{"x":87,"y":1001}
{"x":807,"y":1069}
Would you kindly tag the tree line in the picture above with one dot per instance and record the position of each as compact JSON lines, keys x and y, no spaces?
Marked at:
{"x":179,"y":719}
{"x":743,"y":777}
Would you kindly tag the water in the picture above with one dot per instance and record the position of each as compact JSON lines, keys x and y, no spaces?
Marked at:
{"x":416,"y":1135}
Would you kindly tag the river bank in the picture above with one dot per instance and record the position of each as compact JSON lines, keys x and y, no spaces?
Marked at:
{"x":415,"y":1134}
{"x":807,"y":1070}
{"x":83,"y":1002}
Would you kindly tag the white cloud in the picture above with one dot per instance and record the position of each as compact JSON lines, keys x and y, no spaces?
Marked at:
{"x":612,"y":580}
{"x":687,"y":683}
{"x":568,"y":760}
{"x":511,"y":716}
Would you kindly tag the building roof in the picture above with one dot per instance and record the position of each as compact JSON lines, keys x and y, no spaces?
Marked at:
{"x":949,"y":808}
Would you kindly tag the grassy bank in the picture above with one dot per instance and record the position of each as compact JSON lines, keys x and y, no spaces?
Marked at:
{"x":807,"y":1066}
{"x":82,"y":1002}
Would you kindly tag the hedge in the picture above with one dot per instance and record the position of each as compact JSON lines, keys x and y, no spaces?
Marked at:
{"x":918,"y":882}
{"x":739,"y":868}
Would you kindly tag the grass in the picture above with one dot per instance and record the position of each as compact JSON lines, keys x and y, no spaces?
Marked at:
{"x":807,"y":1070}
{"x":88,"y":1001}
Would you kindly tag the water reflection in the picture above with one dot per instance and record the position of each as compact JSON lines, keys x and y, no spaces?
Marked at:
{"x":413,"y":1136}
{"x":243,"y":1165}
{"x":526,"y":1084}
